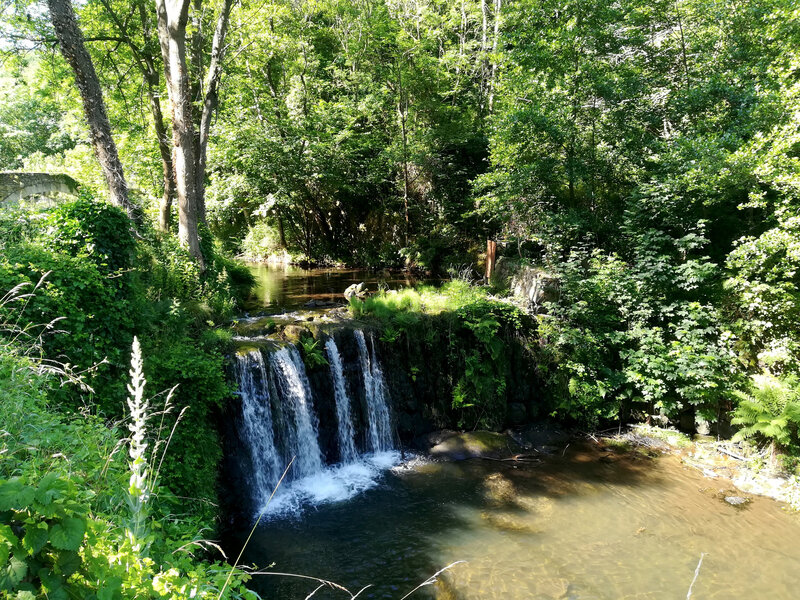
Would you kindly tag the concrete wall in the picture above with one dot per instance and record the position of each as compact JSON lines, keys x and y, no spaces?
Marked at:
{"x":18,"y":186}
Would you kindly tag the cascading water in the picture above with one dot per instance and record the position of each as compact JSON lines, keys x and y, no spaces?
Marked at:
{"x":295,"y":394}
{"x":280,"y":422}
{"x":380,"y":425}
{"x":346,"y":431}
{"x":251,"y":372}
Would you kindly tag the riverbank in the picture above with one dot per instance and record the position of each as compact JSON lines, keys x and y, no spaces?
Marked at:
{"x":739,"y":464}
{"x":740,"y":469}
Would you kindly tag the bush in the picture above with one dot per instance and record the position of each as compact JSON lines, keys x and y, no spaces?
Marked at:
{"x":478,"y":334}
{"x":63,"y":523}
{"x":102,"y":287}
{"x":770,"y":412}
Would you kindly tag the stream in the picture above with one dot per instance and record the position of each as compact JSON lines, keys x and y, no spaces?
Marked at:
{"x":583,"y":522}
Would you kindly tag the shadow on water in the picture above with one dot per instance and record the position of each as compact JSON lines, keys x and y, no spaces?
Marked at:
{"x":396,"y":535}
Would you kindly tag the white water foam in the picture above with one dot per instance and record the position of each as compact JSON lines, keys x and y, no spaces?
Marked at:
{"x":332,"y":484}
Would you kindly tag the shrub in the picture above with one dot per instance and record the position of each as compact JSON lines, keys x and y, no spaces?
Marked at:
{"x":62,"y":525}
{"x":770,"y":412}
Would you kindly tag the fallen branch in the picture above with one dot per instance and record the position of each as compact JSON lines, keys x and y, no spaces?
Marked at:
{"x":696,"y":573}
{"x":731,"y":454}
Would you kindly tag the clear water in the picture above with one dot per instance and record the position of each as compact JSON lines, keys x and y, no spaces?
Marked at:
{"x":280,"y":287}
{"x":588,"y":525}
{"x":279,"y":429}
{"x":295,"y":394}
{"x":252,"y":378}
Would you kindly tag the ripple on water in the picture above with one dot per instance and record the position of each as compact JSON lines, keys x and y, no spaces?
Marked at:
{"x":565,"y":529}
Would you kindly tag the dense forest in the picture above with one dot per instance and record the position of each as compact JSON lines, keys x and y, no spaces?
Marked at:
{"x":644,"y":156}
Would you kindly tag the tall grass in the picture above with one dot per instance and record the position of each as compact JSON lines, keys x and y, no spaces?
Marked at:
{"x":423,"y":300}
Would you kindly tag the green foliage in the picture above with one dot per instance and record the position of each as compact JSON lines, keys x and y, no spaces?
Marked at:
{"x":97,"y":230}
{"x":68,"y":500}
{"x":312,"y":352}
{"x":31,"y":114}
{"x":638,"y":331}
{"x":263,"y":242}
{"x":770,"y":411}
{"x":475,"y":331}
{"x":102,"y":287}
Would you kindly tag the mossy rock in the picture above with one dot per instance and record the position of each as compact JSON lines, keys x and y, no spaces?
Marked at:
{"x":264,"y":326}
{"x":475,"y":444}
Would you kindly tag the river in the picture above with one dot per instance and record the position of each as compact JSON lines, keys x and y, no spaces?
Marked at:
{"x":584,"y":522}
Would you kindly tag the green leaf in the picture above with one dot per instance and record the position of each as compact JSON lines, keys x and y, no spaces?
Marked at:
{"x":13,"y":574}
{"x":35,"y":538}
{"x":111,"y":590}
{"x":14,"y":495}
{"x":68,"y":534}
{"x":50,"y":488}
{"x":7,"y":536}
{"x":25,"y":595}
{"x":53,"y":585}
{"x":68,"y":562}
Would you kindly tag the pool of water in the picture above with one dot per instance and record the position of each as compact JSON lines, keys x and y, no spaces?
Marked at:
{"x":287,"y":287}
{"x":586,"y":525}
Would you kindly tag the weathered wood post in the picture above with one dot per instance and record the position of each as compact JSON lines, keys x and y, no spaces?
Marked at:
{"x":491,"y":252}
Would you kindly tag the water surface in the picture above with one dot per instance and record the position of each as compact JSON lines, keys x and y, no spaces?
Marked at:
{"x":286,"y":287}
{"x":588,"y":525}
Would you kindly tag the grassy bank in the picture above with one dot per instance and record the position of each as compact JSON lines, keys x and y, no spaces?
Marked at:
{"x":99,"y":498}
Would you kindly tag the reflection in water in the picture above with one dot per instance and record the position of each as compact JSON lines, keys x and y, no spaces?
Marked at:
{"x":289,"y":287}
{"x":586,"y":525}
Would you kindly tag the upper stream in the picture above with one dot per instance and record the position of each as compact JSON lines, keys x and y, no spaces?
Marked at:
{"x":281,"y":287}
{"x":581,"y":523}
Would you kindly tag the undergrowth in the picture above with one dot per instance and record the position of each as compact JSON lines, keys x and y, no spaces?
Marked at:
{"x":480,"y":339}
{"x":76,"y":520}
{"x":101,"y":285}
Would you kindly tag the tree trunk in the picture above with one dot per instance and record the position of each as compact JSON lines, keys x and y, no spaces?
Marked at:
{"x":495,"y":40}
{"x":282,"y":233}
{"x":147,"y":64}
{"x":172,"y":19}
{"x":70,"y":40}
{"x":210,"y":102}
{"x":165,"y":149}
{"x":402,"y":115}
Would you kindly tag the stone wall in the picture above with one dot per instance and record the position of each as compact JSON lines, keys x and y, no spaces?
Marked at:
{"x":17,"y":186}
{"x":529,"y":283}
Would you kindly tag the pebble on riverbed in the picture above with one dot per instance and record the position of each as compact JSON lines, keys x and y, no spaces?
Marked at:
{"x":736,"y":500}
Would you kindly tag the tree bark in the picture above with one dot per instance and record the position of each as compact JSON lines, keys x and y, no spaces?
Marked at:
{"x":147,"y":64}
{"x":70,"y":40}
{"x":495,"y":40}
{"x":211,"y":101}
{"x":172,"y":19}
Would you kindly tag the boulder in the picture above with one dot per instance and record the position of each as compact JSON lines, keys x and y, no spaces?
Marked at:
{"x":355,"y":291}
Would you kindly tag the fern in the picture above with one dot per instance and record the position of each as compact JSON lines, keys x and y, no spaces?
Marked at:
{"x":770,"y":412}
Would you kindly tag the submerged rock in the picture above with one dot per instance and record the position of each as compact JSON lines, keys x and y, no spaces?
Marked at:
{"x":510,"y":522}
{"x":427,"y":441}
{"x":475,"y":444}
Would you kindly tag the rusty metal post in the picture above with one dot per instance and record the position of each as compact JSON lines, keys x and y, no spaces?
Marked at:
{"x":491,"y":252}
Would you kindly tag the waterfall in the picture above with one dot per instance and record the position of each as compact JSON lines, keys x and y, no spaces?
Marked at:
{"x":279,"y":421}
{"x":295,"y":392}
{"x":379,"y":428}
{"x":251,"y":373}
{"x":346,"y":432}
